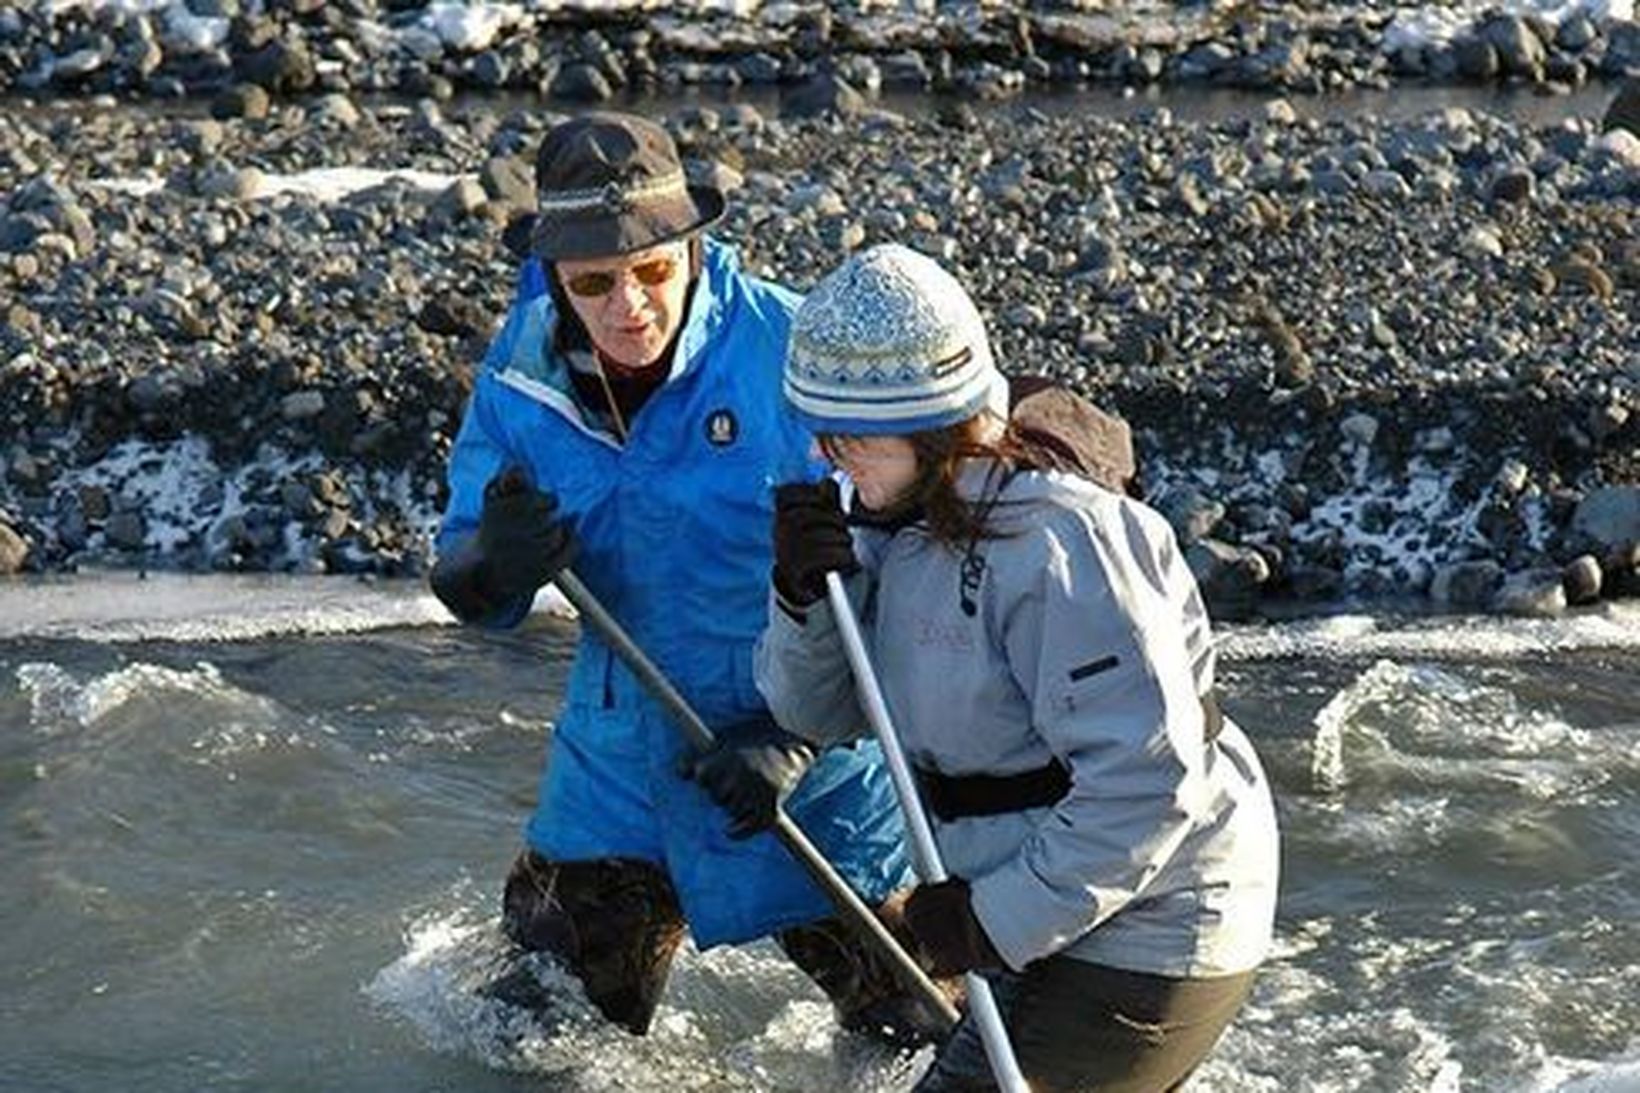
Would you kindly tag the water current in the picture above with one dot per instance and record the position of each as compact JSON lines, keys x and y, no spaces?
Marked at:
{"x":253,"y":829}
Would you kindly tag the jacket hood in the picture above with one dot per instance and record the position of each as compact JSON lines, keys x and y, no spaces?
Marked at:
{"x":1081,"y":438}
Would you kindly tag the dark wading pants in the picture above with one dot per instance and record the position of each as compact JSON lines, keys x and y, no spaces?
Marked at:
{"x":1079,"y":1028}
{"x":616,"y":924}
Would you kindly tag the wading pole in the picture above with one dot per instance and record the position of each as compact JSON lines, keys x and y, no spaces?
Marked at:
{"x":849,"y":905}
{"x":981,"y":1003}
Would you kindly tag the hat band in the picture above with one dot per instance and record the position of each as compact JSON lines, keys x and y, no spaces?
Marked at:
{"x":955,"y":394}
{"x":612,"y":196}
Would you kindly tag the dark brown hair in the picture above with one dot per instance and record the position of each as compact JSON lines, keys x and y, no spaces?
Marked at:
{"x":933,"y":496}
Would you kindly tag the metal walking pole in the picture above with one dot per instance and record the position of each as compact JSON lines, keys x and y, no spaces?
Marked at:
{"x":981,"y":1003}
{"x":849,"y":905}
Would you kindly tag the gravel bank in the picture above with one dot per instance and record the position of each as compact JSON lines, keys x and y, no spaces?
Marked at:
{"x":1371,"y":359}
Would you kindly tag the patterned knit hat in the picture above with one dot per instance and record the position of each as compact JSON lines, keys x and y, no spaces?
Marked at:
{"x":890,"y":343}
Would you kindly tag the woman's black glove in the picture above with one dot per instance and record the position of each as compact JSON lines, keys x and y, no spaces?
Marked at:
{"x":520,"y":546}
{"x":949,"y":938}
{"x":749,"y":770}
{"x":811,"y":538}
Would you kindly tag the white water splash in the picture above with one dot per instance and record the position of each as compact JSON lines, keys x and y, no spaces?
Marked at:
{"x":1442,"y":729}
{"x":239,"y":722}
{"x":729,"y":1021}
{"x":1612,"y":625}
{"x":58,"y":701}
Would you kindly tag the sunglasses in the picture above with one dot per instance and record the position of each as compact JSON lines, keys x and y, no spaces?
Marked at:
{"x":601,"y":282}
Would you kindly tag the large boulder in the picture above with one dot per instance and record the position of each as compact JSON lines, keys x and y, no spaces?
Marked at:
{"x":1520,"y":51}
{"x":1624,"y":112}
{"x":825,"y":94}
{"x":1610,"y":516}
{"x":1466,"y":585}
{"x":1582,"y":580}
{"x":280,"y":67}
{"x":1231,"y":578}
{"x":13,"y":550}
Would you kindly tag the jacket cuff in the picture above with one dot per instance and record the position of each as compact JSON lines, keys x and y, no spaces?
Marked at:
{"x":461,"y":581}
{"x":798,"y":613}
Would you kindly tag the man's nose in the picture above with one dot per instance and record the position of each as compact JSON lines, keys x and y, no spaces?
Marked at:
{"x":628,"y":294}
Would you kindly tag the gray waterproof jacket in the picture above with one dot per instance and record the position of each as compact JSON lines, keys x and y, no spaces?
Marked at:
{"x":1079,"y":634}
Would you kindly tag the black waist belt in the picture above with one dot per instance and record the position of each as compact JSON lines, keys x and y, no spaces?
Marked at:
{"x":953,"y":796}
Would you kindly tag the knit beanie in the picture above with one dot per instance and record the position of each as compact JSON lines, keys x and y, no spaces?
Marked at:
{"x":890,"y":343}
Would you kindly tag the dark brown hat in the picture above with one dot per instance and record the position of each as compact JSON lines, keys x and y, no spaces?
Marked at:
{"x":609,"y":184}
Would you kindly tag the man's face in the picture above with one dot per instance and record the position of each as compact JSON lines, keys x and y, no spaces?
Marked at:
{"x":632,"y":305}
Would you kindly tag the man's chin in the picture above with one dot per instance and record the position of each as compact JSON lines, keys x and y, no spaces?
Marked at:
{"x":634,"y":356}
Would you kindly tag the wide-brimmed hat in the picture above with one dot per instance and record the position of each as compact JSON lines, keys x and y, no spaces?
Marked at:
{"x":609,"y":184}
{"x":890,"y":343}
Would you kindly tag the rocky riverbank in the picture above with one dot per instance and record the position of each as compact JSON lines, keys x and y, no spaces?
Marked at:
{"x":586,"y":52}
{"x":1362,"y":358}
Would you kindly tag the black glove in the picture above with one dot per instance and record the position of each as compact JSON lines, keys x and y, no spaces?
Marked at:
{"x":524,"y":545}
{"x":749,"y":770}
{"x":811,"y":538}
{"x":519,"y":547}
{"x":949,"y":938}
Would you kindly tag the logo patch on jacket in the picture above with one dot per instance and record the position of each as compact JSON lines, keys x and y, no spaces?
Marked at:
{"x":722,"y":428}
{"x":951,"y":636}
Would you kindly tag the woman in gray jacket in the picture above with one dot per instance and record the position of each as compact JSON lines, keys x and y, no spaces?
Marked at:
{"x":1046,"y":657}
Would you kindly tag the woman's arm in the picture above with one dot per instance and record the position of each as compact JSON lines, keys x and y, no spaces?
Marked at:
{"x":803,"y":671}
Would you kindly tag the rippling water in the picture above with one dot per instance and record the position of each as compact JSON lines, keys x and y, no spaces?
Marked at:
{"x":252,"y":832}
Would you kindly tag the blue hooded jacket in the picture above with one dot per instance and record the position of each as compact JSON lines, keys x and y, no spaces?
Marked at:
{"x":674,"y":535}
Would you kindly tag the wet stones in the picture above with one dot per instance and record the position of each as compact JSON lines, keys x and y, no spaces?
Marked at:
{"x":302,"y":405}
{"x":1536,"y":593}
{"x":1581,"y":580}
{"x":1466,"y":585}
{"x":1192,"y":513}
{"x":581,"y":82}
{"x":282,"y":67}
{"x":1622,"y":572}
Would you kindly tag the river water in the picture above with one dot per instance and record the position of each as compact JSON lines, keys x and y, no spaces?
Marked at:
{"x":252,"y":830}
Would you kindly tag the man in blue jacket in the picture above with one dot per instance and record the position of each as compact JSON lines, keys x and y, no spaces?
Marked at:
{"x":628,"y":417}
